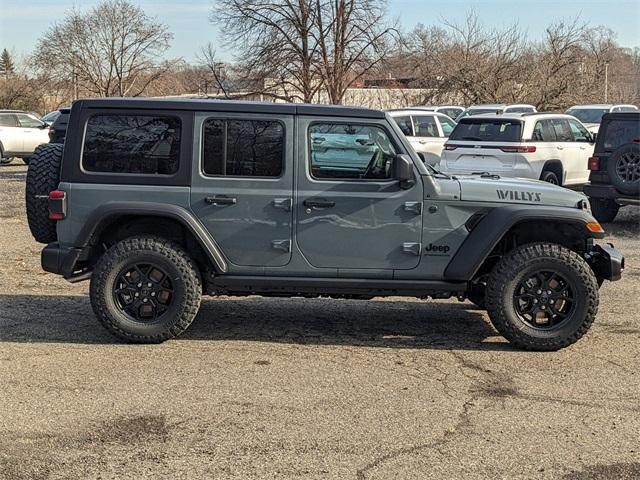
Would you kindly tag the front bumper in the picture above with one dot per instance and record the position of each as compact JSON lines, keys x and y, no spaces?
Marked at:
{"x":607,"y":262}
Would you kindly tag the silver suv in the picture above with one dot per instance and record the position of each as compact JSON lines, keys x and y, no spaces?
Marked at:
{"x":20,"y":134}
{"x":158,"y":202}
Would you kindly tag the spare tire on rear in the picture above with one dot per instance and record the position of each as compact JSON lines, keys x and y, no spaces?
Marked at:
{"x":43,"y":177}
{"x":623,"y":168}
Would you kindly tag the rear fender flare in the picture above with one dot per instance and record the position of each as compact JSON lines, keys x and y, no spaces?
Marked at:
{"x":107,"y":212}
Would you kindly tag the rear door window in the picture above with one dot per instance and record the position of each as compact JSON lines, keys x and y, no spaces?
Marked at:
{"x":243,"y":148}
{"x":562,"y":130}
{"x":488,"y":130}
{"x":132,"y":144}
{"x":543,"y":132}
{"x":8,"y":120}
{"x":425,"y":126}
{"x":27,"y":121}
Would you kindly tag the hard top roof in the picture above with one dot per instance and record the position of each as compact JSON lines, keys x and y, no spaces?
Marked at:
{"x":602,"y":105}
{"x":199,"y":104}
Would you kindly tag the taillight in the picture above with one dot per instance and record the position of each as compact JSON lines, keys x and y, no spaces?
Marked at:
{"x":518,"y":149}
{"x":593,"y":164}
{"x":450,"y":146}
{"x":57,"y":205}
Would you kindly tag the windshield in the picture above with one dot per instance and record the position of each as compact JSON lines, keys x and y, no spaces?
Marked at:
{"x":588,"y":115}
{"x":487,"y":130}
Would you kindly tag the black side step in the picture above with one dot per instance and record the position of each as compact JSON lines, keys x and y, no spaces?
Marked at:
{"x":244,"y":284}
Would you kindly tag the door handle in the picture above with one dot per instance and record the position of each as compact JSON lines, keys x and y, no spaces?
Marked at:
{"x":283,"y":203}
{"x":412,"y":248}
{"x":559,"y":148}
{"x":220,"y":200}
{"x":415,"y":207}
{"x":320,"y":203}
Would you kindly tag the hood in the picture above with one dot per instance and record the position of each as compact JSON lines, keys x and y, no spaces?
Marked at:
{"x":477,"y":188}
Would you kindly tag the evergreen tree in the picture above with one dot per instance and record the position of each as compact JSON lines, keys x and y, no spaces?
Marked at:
{"x":6,"y":63}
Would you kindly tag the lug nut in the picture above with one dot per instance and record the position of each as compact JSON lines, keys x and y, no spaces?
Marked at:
{"x":145,"y":300}
{"x":153,"y":294}
{"x":548,"y":292}
{"x":543,"y":307}
{"x":151,"y":285}
{"x":535,"y":300}
{"x":139,"y":285}
{"x":539,"y":292}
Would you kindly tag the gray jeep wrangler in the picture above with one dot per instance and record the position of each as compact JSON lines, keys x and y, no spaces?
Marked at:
{"x":160,"y":201}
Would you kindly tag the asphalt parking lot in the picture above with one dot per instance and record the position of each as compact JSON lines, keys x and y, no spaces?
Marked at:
{"x":308,"y":388}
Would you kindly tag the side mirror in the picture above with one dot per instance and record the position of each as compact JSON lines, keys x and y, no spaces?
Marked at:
{"x":44,"y":125}
{"x":403,"y":171}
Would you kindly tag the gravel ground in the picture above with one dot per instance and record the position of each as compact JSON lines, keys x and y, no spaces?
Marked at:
{"x":305,"y":388}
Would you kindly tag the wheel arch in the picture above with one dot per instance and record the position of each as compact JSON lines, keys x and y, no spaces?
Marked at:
{"x":117,"y":220}
{"x":554,"y":166}
{"x":505,"y":228}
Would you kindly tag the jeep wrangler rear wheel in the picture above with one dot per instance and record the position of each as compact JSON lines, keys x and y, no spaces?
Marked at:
{"x":146,"y":290}
{"x":542,"y":296}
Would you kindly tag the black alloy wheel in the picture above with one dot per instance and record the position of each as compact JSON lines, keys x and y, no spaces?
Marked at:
{"x":143,"y":292}
{"x":544,"y":300}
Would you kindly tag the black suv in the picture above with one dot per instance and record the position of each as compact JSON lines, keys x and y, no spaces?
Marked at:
{"x":615,"y":166}
{"x":58,"y":129}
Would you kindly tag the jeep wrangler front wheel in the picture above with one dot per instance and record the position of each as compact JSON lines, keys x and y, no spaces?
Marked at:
{"x":145,"y":289}
{"x":542,"y":296}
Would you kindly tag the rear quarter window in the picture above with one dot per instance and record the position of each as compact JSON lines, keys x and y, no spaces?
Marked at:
{"x":620,"y":132}
{"x":487,"y":130}
{"x":132,"y":144}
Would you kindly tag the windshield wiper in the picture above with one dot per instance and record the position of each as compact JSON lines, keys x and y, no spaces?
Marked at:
{"x":486,"y":174}
{"x":436,"y":171}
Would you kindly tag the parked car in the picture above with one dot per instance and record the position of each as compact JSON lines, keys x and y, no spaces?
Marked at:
{"x":427,"y":132}
{"x":58,"y":129}
{"x":20,"y":134}
{"x":497,"y":108}
{"x":158,"y":202}
{"x":50,"y":117}
{"x":452,"y":111}
{"x":546,"y":146}
{"x":591,"y":115}
{"x":614,"y":180}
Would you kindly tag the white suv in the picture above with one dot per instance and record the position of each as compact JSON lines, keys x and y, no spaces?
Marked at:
{"x":496,"y":108}
{"x":591,"y":115}
{"x":543,"y":146}
{"x":426,"y":131}
{"x":452,"y":111}
{"x":20,"y":134}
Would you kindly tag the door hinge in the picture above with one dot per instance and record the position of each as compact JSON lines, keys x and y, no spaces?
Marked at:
{"x":284,"y":245}
{"x":412,"y":248}
{"x":415,"y":207}
{"x":283,"y":203}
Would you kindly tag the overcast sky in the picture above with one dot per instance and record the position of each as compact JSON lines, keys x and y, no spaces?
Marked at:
{"x":23,"y":21}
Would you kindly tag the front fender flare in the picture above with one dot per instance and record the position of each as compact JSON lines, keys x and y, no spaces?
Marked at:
{"x":489,"y":231}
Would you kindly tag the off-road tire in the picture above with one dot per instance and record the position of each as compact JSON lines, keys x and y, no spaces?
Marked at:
{"x":550,"y":177}
{"x":603,"y":209}
{"x":626,"y":157}
{"x":184,"y":275}
{"x":513,"y":268}
{"x":43,"y":176}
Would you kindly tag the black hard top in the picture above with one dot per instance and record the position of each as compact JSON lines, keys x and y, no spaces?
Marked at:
{"x":629,"y":116}
{"x":213,"y":105}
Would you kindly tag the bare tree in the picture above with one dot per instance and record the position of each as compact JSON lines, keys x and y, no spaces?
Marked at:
{"x":353,"y":37}
{"x":108,"y":51}
{"x":275,"y":41}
